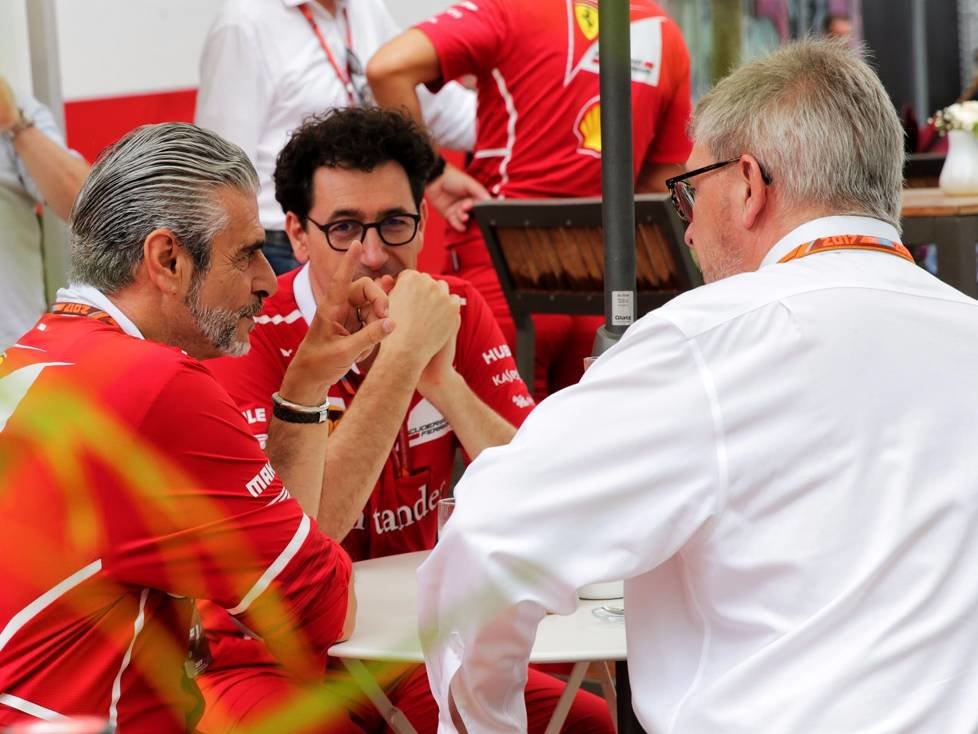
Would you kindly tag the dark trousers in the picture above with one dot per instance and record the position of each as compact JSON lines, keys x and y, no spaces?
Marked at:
{"x":278,"y":250}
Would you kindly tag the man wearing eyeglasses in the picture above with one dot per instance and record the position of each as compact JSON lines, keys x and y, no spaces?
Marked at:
{"x":447,"y":380}
{"x":792,"y":507}
{"x":269,"y":64}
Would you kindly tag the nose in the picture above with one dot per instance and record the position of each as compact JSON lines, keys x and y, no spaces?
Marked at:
{"x":265,"y":283}
{"x":374,"y":255}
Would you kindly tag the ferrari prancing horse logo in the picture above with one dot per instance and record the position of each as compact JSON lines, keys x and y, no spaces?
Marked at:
{"x":586,"y":13}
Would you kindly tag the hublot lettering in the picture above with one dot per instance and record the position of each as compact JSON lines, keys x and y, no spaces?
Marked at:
{"x":497,"y":353}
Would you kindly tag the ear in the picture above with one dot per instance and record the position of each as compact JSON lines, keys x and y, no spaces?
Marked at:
{"x":298,"y":237}
{"x":168,"y":265}
{"x":423,"y":211}
{"x":755,"y":190}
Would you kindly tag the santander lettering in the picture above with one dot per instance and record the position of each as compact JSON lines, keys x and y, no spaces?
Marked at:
{"x":403,"y":516}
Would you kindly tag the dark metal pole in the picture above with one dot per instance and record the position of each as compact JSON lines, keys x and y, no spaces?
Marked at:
{"x":617,"y":171}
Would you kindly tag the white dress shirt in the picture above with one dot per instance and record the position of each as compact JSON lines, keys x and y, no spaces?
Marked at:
{"x":782,"y":466}
{"x":263,"y":71}
{"x":22,"y":268}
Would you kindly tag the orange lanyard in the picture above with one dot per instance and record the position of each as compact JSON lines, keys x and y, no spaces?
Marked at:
{"x":342,"y":74}
{"x":848,"y":242}
{"x":64,"y":308}
{"x":400,"y":456}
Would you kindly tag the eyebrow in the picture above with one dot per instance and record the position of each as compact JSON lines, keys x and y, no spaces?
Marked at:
{"x":359,"y":214}
{"x":251,"y":247}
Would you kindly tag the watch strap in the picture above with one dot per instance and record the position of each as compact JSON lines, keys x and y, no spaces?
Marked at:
{"x":290,"y":412}
{"x":23,"y":123}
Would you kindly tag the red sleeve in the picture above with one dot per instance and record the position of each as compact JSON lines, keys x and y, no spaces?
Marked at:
{"x":216,"y":523}
{"x":485,"y":360}
{"x":468,"y":37}
{"x":250,"y":380}
{"x":671,"y":143}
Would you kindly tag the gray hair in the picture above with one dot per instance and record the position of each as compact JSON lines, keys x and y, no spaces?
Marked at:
{"x":157,"y":176}
{"x":820,"y":123}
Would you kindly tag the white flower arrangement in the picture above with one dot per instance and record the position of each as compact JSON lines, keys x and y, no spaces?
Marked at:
{"x":958,"y":116}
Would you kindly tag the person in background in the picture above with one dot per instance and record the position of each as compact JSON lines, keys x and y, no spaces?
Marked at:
{"x":35,"y":169}
{"x":838,"y":26}
{"x":130,"y":484}
{"x":792,"y":510}
{"x":269,"y":64}
{"x":539,"y":125}
{"x":442,"y":380}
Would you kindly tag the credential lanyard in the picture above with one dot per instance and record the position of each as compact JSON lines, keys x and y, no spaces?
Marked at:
{"x":400,"y":456}
{"x":342,"y":74}
{"x":848,"y":242}
{"x":66,"y":308}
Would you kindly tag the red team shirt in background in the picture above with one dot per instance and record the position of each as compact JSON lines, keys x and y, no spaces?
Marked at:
{"x":131,"y":486}
{"x":400,"y":515}
{"x":539,"y":128}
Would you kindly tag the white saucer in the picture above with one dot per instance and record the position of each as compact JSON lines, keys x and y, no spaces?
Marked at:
{"x":603,"y":590}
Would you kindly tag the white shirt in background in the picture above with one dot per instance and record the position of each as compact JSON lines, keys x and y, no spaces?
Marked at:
{"x":263,"y":71}
{"x":782,"y":465}
{"x":21,"y":259}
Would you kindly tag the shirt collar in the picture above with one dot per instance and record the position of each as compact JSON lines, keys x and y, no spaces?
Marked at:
{"x":829,"y":227}
{"x":91,"y":296}
{"x":302,"y":290}
{"x":340,"y":5}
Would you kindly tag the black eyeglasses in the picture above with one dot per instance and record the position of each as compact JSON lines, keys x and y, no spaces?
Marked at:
{"x":683,"y":193}
{"x":394,"y":231}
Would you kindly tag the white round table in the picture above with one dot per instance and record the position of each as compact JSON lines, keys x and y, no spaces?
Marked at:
{"x":387,"y":629}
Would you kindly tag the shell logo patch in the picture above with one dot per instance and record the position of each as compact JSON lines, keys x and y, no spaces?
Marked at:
{"x":587,"y":128}
{"x":587,"y":18}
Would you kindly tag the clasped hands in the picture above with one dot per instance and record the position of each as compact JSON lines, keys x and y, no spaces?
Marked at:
{"x":358,"y":314}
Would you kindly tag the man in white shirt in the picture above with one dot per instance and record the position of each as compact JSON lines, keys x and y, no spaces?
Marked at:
{"x":269,"y":64}
{"x":780,"y":464}
{"x":35,"y":168}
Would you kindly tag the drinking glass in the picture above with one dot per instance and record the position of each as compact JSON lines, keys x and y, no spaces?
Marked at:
{"x":446,"y":507}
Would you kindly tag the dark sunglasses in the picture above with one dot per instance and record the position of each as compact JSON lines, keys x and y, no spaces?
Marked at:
{"x":683,"y":193}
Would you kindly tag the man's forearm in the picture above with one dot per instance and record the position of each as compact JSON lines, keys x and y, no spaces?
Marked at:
{"x":57,"y":173}
{"x":399,"y":67}
{"x":398,"y":92}
{"x":361,"y":444}
{"x":297,"y":451}
{"x":477,"y":425}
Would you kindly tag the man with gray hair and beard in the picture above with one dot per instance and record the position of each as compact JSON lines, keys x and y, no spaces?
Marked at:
{"x":792,"y":508}
{"x":129,"y":483}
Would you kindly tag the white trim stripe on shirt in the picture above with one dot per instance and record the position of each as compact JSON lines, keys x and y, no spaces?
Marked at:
{"x":137,"y":627}
{"x":31,"y":709}
{"x":489,"y":153}
{"x":16,"y":386}
{"x":278,"y":318}
{"x":510,"y":131}
{"x":287,"y":554}
{"x":37,"y":606}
